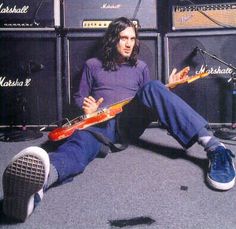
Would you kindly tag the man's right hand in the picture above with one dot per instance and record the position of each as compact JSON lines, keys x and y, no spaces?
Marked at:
{"x":90,"y":104}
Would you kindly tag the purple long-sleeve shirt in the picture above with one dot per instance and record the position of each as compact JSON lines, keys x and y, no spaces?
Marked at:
{"x":113,"y":86}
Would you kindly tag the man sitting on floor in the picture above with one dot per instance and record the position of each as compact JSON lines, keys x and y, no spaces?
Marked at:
{"x":115,"y":76}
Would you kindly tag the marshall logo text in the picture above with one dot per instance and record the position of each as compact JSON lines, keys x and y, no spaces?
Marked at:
{"x":110,"y":6}
{"x":14,"y":83}
{"x":216,"y":71}
{"x":13,"y":10}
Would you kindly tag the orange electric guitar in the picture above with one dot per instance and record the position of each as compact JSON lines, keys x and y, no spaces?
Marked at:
{"x":104,"y":114}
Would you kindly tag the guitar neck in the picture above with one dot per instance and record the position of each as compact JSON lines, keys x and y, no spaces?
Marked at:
{"x":187,"y":80}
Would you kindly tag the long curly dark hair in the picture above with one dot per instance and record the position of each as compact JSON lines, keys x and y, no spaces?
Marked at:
{"x":111,"y":39}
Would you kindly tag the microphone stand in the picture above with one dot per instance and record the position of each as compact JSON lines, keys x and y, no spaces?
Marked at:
{"x":23,"y":133}
{"x":227,"y":133}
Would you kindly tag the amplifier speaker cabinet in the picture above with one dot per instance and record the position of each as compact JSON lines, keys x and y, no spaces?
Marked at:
{"x":30,"y":14}
{"x":29,"y":78}
{"x":79,"y":14}
{"x":78,"y":47}
{"x":210,"y":96}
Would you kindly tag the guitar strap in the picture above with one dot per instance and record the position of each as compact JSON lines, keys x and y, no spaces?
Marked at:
{"x":107,"y":145}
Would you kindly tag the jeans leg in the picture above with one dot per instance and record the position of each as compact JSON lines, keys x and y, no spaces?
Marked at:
{"x":175,"y":115}
{"x":134,"y":119}
{"x":82,"y":147}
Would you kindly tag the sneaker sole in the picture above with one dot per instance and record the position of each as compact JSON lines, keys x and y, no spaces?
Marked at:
{"x":221,"y":186}
{"x":23,"y":177}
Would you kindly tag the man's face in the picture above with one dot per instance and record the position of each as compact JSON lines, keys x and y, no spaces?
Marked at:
{"x":126,"y":43}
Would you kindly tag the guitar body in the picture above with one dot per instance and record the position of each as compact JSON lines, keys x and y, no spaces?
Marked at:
{"x":95,"y":118}
{"x":103,"y":115}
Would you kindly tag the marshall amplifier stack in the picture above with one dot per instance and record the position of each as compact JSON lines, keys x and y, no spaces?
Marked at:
{"x":40,"y":39}
{"x":96,"y":14}
{"x":209,"y":26}
{"x":44,"y":44}
{"x":29,"y":14}
{"x":84,"y":22}
{"x":30,"y":62}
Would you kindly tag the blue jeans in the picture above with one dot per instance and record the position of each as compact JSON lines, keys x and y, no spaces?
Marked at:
{"x":152,"y":102}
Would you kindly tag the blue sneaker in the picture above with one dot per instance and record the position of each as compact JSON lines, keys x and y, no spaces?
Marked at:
{"x":23,"y":182}
{"x":221,"y":173}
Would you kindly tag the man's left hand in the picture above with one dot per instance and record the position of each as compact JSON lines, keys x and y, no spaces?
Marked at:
{"x":178,"y":76}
